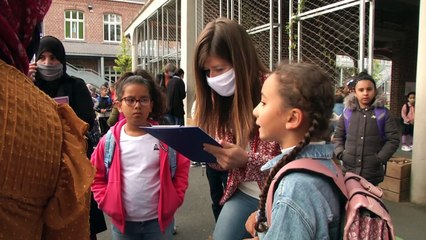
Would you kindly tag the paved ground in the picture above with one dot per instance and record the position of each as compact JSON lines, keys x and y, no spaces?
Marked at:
{"x":195,"y":219}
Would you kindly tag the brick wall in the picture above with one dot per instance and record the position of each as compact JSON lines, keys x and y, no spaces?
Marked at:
{"x":93,"y":21}
{"x":404,"y":67}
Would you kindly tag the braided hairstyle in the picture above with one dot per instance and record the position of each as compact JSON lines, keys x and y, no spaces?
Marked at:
{"x":306,"y":87}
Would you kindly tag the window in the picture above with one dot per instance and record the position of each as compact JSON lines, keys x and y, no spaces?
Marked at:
{"x":112,"y":28}
{"x":111,"y":74}
{"x":74,"y":25}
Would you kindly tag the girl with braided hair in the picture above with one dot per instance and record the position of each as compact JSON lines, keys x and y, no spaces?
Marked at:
{"x":295,"y":108}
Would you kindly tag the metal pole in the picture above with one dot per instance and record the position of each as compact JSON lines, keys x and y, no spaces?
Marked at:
{"x":290,"y":31}
{"x":239,"y":11}
{"x":361,"y":35}
{"x":177,"y":34}
{"x":280,"y":31}
{"x":299,"y":35}
{"x":371,"y":38}
{"x":271,"y":34}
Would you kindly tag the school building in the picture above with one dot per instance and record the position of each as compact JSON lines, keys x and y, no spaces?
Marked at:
{"x":91,"y":32}
{"x":386,"y":37}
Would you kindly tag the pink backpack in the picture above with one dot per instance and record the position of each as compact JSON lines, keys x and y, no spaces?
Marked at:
{"x":366,"y":216}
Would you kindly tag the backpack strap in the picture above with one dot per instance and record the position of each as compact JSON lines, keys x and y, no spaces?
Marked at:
{"x":300,"y":165}
{"x":347,"y":113}
{"x":172,"y":161}
{"x":109,"y":151}
{"x":381,"y":114}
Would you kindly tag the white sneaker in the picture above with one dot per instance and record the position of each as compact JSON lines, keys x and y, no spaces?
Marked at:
{"x":405,"y":148}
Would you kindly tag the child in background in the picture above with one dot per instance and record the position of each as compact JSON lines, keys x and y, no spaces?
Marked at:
{"x":407,"y":114}
{"x":138,"y":191}
{"x":365,"y":147}
{"x":296,"y":105}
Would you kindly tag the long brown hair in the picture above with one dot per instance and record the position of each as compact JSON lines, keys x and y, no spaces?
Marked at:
{"x":308,"y":88}
{"x":228,"y":40}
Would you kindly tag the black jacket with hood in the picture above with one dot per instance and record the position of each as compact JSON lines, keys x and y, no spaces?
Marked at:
{"x":362,"y":148}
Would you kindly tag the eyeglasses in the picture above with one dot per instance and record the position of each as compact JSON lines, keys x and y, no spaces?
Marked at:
{"x":131,"y":101}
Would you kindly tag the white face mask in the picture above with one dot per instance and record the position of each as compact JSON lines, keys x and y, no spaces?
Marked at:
{"x":223,"y":84}
{"x":50,"y":72}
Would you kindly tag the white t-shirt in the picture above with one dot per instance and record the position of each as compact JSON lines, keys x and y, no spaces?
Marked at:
{"x":140,"y":171}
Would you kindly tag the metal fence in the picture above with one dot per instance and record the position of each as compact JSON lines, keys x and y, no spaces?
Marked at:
{"x":323,"y":32}
{"x":332,"y":34}
{"x":159,"y":38}
{"x":262,"y":19}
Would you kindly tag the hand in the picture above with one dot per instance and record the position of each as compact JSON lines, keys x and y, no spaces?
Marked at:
{"x":229,"y":156}
{"x":32,"y":71}
{"x":103,"y":110}
{"x":250,"y":224}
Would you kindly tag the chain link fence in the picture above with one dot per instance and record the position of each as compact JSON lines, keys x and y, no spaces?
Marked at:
{"x":260,"y":18}
{"x":323,"y":32}
{"x":327,"y":33}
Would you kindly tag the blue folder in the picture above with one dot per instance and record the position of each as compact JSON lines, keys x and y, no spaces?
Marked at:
{"x":186,"y":140}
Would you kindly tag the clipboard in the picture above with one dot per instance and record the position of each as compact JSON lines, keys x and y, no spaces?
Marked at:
{"x":186,"y":140}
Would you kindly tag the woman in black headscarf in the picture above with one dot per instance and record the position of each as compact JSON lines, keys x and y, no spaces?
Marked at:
{"x":51,"y":77}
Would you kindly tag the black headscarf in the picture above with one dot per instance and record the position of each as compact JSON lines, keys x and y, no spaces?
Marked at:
{"x":53,"y":45}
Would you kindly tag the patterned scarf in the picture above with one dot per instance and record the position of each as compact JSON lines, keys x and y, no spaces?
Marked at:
{"x":18,"y":19}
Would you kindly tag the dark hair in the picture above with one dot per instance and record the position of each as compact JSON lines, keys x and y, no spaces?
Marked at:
{"x":411,"y":93}
{"x":179,"y":72}
{"x":155,"y":93}
{"x":308,"y":88}
{"x":364,"y":76}
{"x":338,"y":98}
{"x":143,"y":73}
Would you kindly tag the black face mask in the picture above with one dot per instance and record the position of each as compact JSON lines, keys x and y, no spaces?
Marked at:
{"x":35,"y":41}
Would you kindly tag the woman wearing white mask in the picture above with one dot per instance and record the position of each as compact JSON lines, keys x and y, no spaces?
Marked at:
{"x":49,"y":75}
{"x":229,"y":77}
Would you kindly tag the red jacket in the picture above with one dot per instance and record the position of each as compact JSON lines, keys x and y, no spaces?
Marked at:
{"x":108,"y":193}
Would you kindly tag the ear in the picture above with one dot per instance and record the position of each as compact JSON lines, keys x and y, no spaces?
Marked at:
{"x":294,"y":119}
{"x":119,"y":106}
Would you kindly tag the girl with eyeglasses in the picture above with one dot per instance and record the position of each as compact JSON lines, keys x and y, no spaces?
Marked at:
{"x":138,"y":191}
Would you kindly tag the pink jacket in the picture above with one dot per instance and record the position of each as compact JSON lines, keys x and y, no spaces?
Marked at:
{"x":408,"y":118}
{"x":108,"y":193}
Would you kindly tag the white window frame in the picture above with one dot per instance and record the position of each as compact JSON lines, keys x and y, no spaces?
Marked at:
{"x":112,"y":24}
{"x":73,"y":21}
{"x":110,"y":72}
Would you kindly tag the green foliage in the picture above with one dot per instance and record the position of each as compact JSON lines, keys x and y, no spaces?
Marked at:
{"x":123,"y":60}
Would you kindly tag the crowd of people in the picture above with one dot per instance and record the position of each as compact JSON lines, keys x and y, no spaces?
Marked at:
{"x":263,"y":120}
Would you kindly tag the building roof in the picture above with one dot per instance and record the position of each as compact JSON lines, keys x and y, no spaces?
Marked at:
{"x":91,"y":49}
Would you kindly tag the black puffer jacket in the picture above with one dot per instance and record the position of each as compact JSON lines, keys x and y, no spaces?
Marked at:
{"x":362,"y":149}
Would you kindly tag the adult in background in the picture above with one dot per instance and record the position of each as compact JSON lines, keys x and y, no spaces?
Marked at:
{"x":163,"y":78}
{"x":175,"y":94}
{"x":44,"y":190}
{"x":228,"y":79}
{"x":51,"y":77}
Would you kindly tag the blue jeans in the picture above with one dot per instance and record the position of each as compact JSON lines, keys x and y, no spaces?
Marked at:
{"x":148,"y":230}
{"x":232,"y":218}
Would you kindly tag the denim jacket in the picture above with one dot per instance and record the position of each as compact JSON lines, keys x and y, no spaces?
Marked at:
{"x":306,"y":205}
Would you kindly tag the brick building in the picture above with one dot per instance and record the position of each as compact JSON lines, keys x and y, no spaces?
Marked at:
{"x":91,"y":32}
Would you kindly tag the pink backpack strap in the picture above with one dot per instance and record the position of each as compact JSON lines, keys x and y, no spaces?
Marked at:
{"x":303,"y":164}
